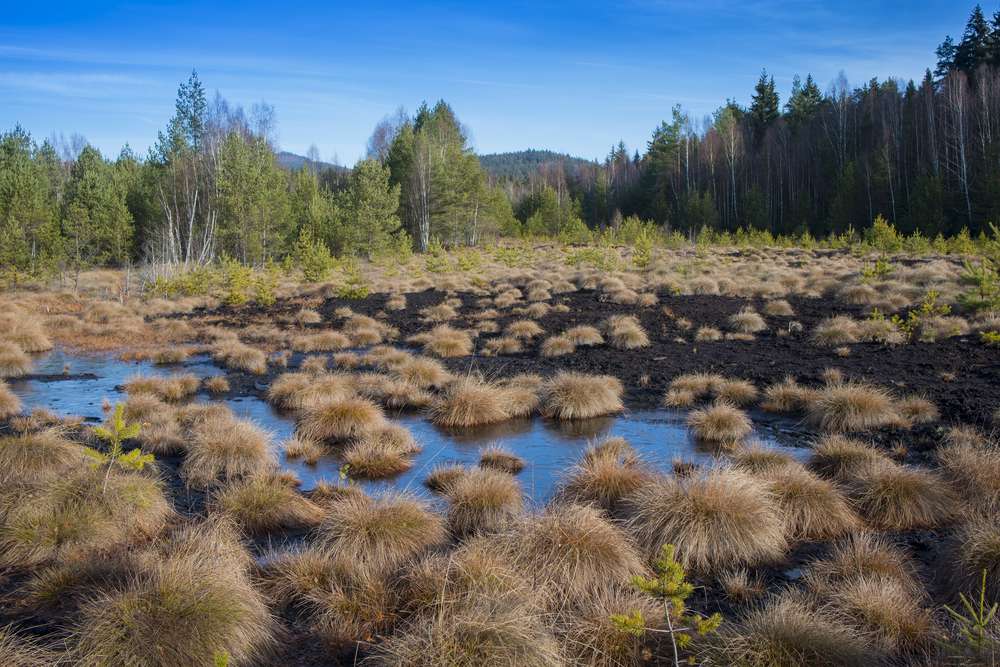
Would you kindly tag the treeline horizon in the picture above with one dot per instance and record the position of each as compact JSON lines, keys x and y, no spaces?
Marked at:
{"x":925,"y":156}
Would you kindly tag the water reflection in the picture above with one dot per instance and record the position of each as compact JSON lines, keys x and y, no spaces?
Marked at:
{"x":548,"y":447}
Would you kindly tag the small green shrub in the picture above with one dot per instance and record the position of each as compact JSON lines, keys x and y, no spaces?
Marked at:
{"x":237,"y":281}
{"x":313,"y":257}
{"x":115,"y":432}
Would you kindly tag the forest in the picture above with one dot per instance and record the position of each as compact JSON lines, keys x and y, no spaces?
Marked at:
{"x":923,"y":155}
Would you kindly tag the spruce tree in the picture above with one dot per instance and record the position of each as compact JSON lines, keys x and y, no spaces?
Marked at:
{"x":764,"y":108}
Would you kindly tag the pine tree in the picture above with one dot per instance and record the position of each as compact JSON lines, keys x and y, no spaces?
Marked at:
{"x":945,"y":57}
{"x":370,"y":209}
{"x":764,"y":108}
{"x":804,"y":101}
{"x":972,"y":51}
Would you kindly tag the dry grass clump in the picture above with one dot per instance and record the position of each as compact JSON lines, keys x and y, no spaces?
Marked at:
{"x":779,"y":308}
{"x":13,"y":361}
{"x":880,"y":331}
{"x":314,"y":364}
{"x":34,"y":457}
{"x":572,"y":550}
{"x":972,"y":464}
{"x":718,"y":519}
{"x":851,"y":407}
{"x":470,"y":401}
{"x":917,"y":410}
{"x":837,"y":330}
{"x":584,"y":336}
{"x":326,"y":341}
{"x":481,"y":630}
{"x":173,"y":388}
{"x":443,"y":476}
{"x":375,"y":457}
{"x":216,"y":384}
{"x":20,"y":651}
{"x":706,"y":334}
{"x":740,"y":586}
{"x":735,"y":392}
{"x":25,"y":332}
{"x":10,"y":404}
{"x":976,"y":547}
{"x":76,"y":513}
{"x":888,"y":610}
{"x":625,"y":332}
{"x":423,"y":372}
{"x":813,"y":508}
{"x":439,"y":313}
{"x":170,"y":355}
{"x":788,"y":631}
{"x":841,"y":458}
{"x":758,"y":458}
{"x":339,"y":420}
{"x":396,"y":302}
{"x":503,"y":345}
{"x":307,"y":316}
{"x":444,"y":341}
{"x":239,"y":356}
{"x":606,"y":473}
{"x":747,"y":321}
{"x":223,"y":447}
{"x":685,"y":390}
{"x":558,"y":346}
{"x":571,"y":395}
{"x":524,"y":329}
{"x":380,"y":532}
{"x":895,"y":497}
{"x":264,"y":503}
{"x":298,"y":447}
{"x":860,"y":555}
{"x":497,"y":457}
{"x":721,"y":423}
{"x":194,"y":605}
{"x":482,"y":501}
{"x":787,"y":396}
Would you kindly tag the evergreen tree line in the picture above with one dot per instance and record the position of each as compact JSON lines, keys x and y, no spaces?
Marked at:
{"x":923,"y":154}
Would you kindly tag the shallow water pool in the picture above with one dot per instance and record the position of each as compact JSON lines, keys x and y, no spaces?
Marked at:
{"x":79,"y":384}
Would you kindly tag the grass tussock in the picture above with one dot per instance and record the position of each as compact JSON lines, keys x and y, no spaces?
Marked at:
{"x":26,"y":332}
{"x":788,"y":631}
{"x":841,"y":458}
{"x":760,"y":459}
{"x":445,"y":341}
{"x":196,"y":604}
{"x":862,"y":554}
{"x":607,"y":473}
{"x":571,"y":395}
{"x":80,"y":512}
{"x":813,"y":508}
{"x":584,"y":336}
{"x":35,"y":457}
{"x":298,"y":391}
{"x":972,"y":464}
{"x":625,"y":332}
{"x":337,"y":421}
{"x":573,"y":550}
{"x":482,"y":501}
{"x":497,"y":457}
{"x":787,"y":396}
{"x":216,"y":384}
{"x":172,"y":388}
{"x":374,"y":457}
{"x":20,"y":651}
{"x":380,"y":532}
{"x":721,"y":423}
{"x":524,"y":329}
{"x":423,"y":372}
{"x":298,"y":447}
{"x":718,"y":519}
{"x":894,"y":497}
{"x":225,"y":448}
{"x":470,"y":401}
{"x":887,"y":610}
{"x":326,"y":341}
{"x":10,"y":404}
{"x":14,"y":362}
{"x":836,"y":331}
{"x":590,"y":637}
{"x":557,"y":346}
{"x":265,"y":503}
{"x":443,"y":476}
{"x":747,"y":321}
{"x":975,"y":547}
{"x":852,"y":407}
{"x":241,"y":357}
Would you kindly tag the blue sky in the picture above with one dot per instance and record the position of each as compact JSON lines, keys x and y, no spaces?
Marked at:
{"x":571,"y":77}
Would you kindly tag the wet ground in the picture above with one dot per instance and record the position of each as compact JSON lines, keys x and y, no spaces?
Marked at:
{"x":78,"y":385}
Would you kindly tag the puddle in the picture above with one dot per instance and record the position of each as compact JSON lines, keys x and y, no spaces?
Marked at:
{"x":548,"y":447}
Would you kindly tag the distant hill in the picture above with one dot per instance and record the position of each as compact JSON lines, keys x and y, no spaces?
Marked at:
{"x":294,"y":162}
{"x":519,"y":164}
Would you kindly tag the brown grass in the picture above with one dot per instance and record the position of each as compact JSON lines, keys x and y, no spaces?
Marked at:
{"x":482,"y":501}
{"x":22,"y":651}
{"x":813,"y":508}
{"x":895,"y":497}
{"x":557,"y":346}
{"x":747,"y":321}
{"x":917,"y":410}
{"x":226,"y":448}
{"x":443,"y":476}
{"x":423,"y":372}
{"x":35,"y":457}
{"x":975,"y":548}
{"x":265,"y":503}
{"x":375,"y":458}
{"x":973,"y":466}
{"x":325,"y":341}
{"x":336,"y":421}
{"x":239,"y":356}
{"x":297,"y":391}
{"x":13,"y":361}
{"x":189,"y":608}
{"x":841,"y":458}
{"x":860,"y":555}
{"x":10,"y":404}
{"x":470,"y":401}
{"x":607,"y":473}
{"x":571,"y":395}
{"x":722,"y":423}
{"x":26,"y":332}
{"x":740,"y":586}
{"x":298,"y":447}
{"x":444,"y":341}
{"x":172,"y":388}
{"x":718,"y":519}
{"x":888,"y":610}
{"x":496,"y":457}
{"x":524,"y":329}
{"x":584,"y":336}
{"x":380,"y":532}
{"x":838,"y":330}
{"x":216,"y":384}
{"x":852,"y":407}
{"x":788,"y":631}
{"x":758,"y":458}
{"x":787,"y":396}
{"x":503,"y":345}
{"x":625,"y":332}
